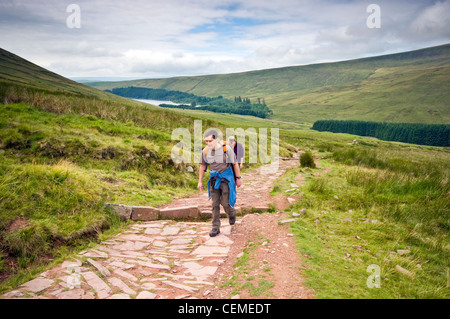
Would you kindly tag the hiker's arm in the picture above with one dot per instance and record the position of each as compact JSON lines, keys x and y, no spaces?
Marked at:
{"x":240,"y":155}
{"x":237,"y":171}
{"x":200,"y":176}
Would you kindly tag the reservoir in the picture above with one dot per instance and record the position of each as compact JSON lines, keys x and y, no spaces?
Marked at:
{"x":157,"y":102}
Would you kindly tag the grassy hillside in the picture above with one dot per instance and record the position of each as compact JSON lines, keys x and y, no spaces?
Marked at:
{"x":374,"y":203}
{"x":67,"y":149}
{"x":63,"y":155}
{"x":404,"y":87}
{"x":15,"y":70}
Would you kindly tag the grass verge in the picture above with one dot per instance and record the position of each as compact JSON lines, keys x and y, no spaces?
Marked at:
{"x":379,"y":211}
{"x":244,"y":278}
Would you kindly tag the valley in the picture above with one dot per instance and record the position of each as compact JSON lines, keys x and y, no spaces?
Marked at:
{"x":67,"y":149}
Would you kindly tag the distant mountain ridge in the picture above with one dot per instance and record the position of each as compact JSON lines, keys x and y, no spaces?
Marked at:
{"x":403,"y":87}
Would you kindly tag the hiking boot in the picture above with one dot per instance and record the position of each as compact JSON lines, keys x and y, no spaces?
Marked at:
{"x":232,"y":219}
{"x":214,"y":232}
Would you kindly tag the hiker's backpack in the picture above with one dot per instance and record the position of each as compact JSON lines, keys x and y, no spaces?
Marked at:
{"x":224,"y":147}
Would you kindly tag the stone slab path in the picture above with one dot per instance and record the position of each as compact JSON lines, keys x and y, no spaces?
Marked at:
{"x":162,"y":259}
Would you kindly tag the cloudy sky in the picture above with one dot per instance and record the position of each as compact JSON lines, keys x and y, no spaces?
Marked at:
{"x":162,"y":38}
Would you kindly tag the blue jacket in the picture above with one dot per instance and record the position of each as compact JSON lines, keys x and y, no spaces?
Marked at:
{"x":229,"y":176}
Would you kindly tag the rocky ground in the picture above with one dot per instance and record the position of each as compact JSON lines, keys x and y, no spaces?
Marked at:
{"x":169,"y":259}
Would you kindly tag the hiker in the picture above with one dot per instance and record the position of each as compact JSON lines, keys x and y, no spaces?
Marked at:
{"x":222,"y":181}
{"x":238,"y":150}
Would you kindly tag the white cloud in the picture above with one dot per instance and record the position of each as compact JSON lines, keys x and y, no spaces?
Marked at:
{"x":162,"y":38}
{"x":434,"y":21}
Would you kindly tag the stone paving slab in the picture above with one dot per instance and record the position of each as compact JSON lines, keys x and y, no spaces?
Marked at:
{"x":144,"y":213}
{"x":100,"y":287}
{"x":142,"y":265}
{"x":38,"y":284}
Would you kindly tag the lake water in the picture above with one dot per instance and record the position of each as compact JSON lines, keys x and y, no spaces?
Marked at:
{"x":157,"y":102}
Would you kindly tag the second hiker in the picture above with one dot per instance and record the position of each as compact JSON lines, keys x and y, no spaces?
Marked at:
{"x":238,"y":150}
{"x":222,"y":182}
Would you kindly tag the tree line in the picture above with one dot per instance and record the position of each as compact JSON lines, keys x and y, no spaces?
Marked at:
{"x":246,"y":100}
{"x":151,"y":94}
{"x":223,"y":109}
{"x":414,"y":133}
{"x":217,"y":104}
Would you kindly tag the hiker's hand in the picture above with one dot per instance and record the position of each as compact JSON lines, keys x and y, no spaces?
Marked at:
{"x":238,"y":182}
{"x":240,"y":165}
{"x":200,"y":186}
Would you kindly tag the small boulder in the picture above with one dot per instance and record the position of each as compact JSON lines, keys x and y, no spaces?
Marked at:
{"x":404,"y":271}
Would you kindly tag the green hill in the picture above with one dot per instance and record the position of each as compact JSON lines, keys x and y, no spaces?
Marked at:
{"x":16,"y":70}
{"x":404,"y":87}
{"x":65,"y":150}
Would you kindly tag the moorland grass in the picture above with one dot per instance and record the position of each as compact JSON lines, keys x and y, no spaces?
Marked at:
{"x":380,"y":204}
{"x":65,"y":153}
{"x":59,"y":167}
